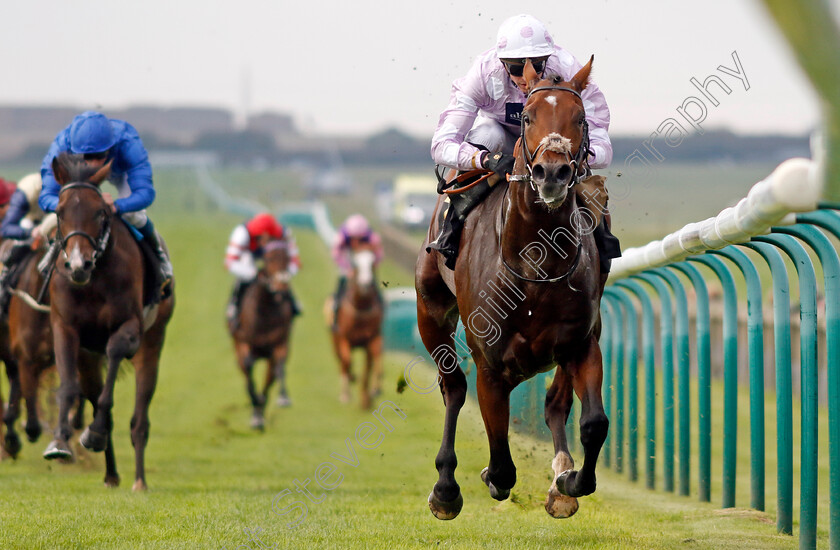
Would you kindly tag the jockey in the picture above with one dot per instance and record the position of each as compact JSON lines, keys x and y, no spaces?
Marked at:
{"x":355,"y":231}
{"x":25,"y":226}
{"x":101,"y":140}
{"x":482,"y":122}
{"x":7,"y":188}
{"x":245,"y":247}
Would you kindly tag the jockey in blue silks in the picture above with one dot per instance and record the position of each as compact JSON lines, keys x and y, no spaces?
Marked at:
{"x":101,"y":140}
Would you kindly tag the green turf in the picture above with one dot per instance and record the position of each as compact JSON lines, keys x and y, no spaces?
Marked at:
{"x":212,"y":479}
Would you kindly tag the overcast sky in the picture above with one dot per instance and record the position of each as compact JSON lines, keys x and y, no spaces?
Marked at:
{"x":357,"y":67}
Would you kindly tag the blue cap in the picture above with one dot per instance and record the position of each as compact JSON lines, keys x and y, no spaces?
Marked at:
{"x":90,"y":132}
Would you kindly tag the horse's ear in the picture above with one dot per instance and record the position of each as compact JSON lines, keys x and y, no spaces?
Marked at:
{"x":62,"y":176}
{"x":531,"y":76}
{"x":102,"y":173}
{"x":581,"y":79}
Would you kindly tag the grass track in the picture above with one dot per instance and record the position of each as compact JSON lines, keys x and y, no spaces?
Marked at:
{"x":212,"y":479}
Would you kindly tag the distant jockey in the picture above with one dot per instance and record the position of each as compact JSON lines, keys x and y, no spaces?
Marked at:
{"x":246,"y":247}
{"x":353,"y":233}
{"x":24,"y":228}
{"x":102,"y":140}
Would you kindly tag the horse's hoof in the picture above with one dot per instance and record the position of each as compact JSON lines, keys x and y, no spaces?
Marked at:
{"x":139,"y":486}
{"x":560,"y":506}
{"x":445,"y":510}
{"x":33,"y":431}
{"x":495,"y":492}
{"x":112,"y":482}
{"x":58,"y":450}
{"x":258,"y":422}
{"x":568,"y":484}
{"x":284,"y":401}
{"x":93,"y":441}
{"x":12,"y":444}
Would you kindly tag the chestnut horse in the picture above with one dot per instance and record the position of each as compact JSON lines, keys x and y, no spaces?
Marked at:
{"x":264,"y":327}
{"x":11,"y":440}
{"x":358,"y":324}
{"x":527,"y":287}
{"x":97,"y":304}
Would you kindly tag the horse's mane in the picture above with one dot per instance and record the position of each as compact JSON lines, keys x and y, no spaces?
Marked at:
{"x":77,"y":169}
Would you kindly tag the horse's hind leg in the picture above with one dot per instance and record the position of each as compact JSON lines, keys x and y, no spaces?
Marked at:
{"x":146,"y":363}
{"x":436,"y":321}
{"x":374,"y":358}
{"x":558,"y":403}
{"x":29,"y":386}
{"x":90,"y":375}
{"x":494,"y":401}
{"x":11,"y":440}
{"x":345,"y":355}
{"x":587,"y":378}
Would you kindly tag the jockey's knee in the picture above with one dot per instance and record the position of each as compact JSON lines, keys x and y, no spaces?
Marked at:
{"x":137,"y":219}
{"x":489,"y":133}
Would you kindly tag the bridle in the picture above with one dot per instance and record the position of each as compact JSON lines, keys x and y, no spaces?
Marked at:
{"x":284,"y":276}
{"x":580,"y":165}
{"x":100,"y":242}
{"x":578,"y":162}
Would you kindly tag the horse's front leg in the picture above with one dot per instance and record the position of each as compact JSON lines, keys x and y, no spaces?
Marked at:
{"x":345,"y":354}
{"x":494,"y":401}
{"x":246,"y":360}
{"x":558,"y":403}
{"x":66,"y":343}
{"x":374,"y":358}
{"x":90,"y":375}
{"x":122,"y":343}
{"x":587,"y":376}
{"x":278,"y":368}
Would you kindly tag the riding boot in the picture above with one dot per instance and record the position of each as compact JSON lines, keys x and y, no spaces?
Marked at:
{"x":337,"y":297}
{"x":165,"y":266}
{"x":5,"y":275}
{"x":234,"y":303}
{"x":296,"y":309}
{"x":607,"y":243}
{"x":16,"y":253}
{"x":448,"y":241}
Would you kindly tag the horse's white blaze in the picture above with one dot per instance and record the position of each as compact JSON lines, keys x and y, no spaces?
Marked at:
{"x":363,"y":261}
{"x":551,"y":100}
{"x":76,"y":258}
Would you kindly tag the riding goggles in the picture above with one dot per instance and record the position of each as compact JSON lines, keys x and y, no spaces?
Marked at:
{"x":515,"y":67}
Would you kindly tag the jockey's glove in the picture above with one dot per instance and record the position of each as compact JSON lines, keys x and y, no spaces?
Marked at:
{"x":499,"y":162}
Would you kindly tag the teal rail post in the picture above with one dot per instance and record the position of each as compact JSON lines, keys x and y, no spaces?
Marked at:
{"x":755,"y":344}
{"x":704,"y":380}
{"x":683,"y":360}
{"x":831,"y":272}
{"x":784,"y":393}
{"x":606,"y":387}
{"x":617,"y":421}
{"x":809,"y":378}
{"x":650,"y":377}
{"x":730,"y":374}
{"x":630,"y":336}
{"x":666,"y":325}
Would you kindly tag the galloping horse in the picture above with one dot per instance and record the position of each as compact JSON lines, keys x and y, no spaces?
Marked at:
{"x":526,"y":286}
{"x":264,"y":326}
{"x":31,"y":343}
{"x":97,"y":304}
{"x":358,"y":324}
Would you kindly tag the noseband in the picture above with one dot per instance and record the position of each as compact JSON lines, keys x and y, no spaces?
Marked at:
{"x":578,"y":161}
{"x":100,"y":242}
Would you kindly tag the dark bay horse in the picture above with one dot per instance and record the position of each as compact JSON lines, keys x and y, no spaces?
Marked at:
{"x":31,"y":343}
{"x":527,"y":288}
{"x":264,"y":327}
{"x":97,"y":304}
{"x":358,"y":324}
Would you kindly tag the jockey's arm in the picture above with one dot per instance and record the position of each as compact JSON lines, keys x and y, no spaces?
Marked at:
{"x":243,"y":267}
{"x":18,"y":208}
{"x":134,"y":157}
{"x":48,"y":199}
{"x":294,"y":265}
{"x":238,"y":258}
{"x":448,"y":145}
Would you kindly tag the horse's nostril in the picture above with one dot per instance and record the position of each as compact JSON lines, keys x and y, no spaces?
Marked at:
{"x":538,"y":171}
{"x":67,"y":265}
{"x":88,"y":265}
{"x":564,"y":173}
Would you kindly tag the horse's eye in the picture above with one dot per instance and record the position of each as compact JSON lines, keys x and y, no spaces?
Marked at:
{"x":581,"y":120}
{"x":526,"y":119}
